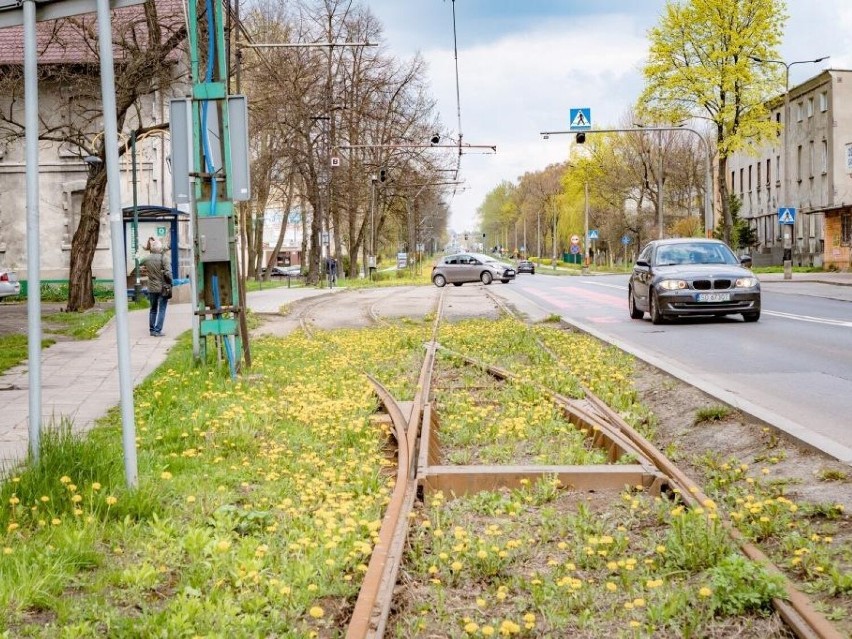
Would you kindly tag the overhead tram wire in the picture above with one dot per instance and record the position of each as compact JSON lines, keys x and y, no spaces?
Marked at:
{"x":458,"y":94}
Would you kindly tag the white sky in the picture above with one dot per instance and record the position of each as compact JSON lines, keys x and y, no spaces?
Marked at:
{"x":524,"y":63}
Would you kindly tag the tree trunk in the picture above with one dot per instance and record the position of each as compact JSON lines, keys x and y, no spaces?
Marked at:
{"x":723,"y":192}
{"x":85,"y":241}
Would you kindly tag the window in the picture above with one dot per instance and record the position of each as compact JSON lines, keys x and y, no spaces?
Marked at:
{"x":733,"y":181}
{"x":778,"y":122}
{"x":768,"y":172}
{"x":810,"y":107}
{"x":742,"y":181}
{"x":759,"y":183}
{"x":811,"y":157}
{"x":846,"y":229}
{"x":799,"y":163}
{"x":778,"y":169}
{"x":800,"y":109}
{"x":823,"y":101}
{"x":824,"y":158}
{"x":749,"y":178}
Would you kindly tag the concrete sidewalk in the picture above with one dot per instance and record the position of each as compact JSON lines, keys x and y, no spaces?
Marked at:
{"x":79,"y":379}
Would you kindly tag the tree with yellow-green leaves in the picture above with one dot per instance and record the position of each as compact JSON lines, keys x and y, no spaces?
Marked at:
{"x":700,"y":66}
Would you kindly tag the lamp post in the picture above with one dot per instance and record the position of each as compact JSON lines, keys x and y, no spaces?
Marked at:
{"x":785,"y":179}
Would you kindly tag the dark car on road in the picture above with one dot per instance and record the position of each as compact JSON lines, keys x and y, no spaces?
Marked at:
{"x":525,"y":266}
{"x":461,"y":268}
{"x":690,"y":277}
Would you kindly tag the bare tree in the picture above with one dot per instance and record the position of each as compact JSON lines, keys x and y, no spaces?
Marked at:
{"x":146,"y":42}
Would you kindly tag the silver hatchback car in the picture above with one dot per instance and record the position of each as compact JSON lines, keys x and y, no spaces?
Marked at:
{"x":462,"y":268}
{"x":9,"y":284}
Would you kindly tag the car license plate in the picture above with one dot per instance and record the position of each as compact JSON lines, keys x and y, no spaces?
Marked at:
{"x":714,"y":297}
{"x":510,"y":272}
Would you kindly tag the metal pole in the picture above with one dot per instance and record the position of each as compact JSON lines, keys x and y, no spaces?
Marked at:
{"x":586,"y":221}
{"x":128,"y":426}
{"x":134,"y":243}
{"x":372,"y":256}
{"x":660,"y":189}
{"x":33,"y":247}
{"x":554,"y":237}
{"x":787,"y":242}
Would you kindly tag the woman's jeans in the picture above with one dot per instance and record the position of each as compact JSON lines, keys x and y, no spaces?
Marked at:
{"x":157,"y":314}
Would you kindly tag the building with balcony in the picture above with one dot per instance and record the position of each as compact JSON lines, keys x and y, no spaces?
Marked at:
{"x":818,"y":161}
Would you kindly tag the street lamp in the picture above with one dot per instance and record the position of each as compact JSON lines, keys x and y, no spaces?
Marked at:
{"x":785,"y":193}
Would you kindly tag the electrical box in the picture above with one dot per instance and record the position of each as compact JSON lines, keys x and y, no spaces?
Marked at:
{"x":213,"y":240}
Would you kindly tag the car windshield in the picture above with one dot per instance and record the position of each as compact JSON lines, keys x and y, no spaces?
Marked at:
{"x":694,"y":253}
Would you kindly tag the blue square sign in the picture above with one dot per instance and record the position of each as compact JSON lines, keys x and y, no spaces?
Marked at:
{"x":787,"y":215}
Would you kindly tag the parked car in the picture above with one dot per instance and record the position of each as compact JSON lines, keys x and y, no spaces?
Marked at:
{"x":462,"y":268}
{"x":525,"y":266}
{"x":687,"y":277}
{"x":285,"y":271}
{"x":9,"y":284}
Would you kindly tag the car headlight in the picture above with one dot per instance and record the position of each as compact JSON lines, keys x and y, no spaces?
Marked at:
{"x":673,"y":285}
{"x":746,"y":282}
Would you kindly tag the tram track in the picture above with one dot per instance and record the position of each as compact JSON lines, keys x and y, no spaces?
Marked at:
{"x":419,"y":471}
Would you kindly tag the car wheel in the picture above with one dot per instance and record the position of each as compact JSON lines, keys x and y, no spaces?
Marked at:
{"x":635,"y":313}
{"x":457,"y":283}
{"x":751,"y":317}
{"x":439,"y":281}
{"x":654,"y":310}
{"x":505,"y":281}
{"x":486,"y":278}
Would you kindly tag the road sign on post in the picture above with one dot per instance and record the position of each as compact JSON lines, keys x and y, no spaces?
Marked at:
{"x":581,"y":119}
{"x":593,"y":234}
{"x":787,"y":215}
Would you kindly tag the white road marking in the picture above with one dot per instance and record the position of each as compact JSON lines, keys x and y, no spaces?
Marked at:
{"x":616,"y":286}
{"x":808,"y":318}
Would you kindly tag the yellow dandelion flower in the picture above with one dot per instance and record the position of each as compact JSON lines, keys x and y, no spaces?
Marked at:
{"x":14,"y":500}
{"x":165,"y":475}
{"x":705,"y":592}
{"x":487,"y":631}
{"x":471,"y":627}
{"x":611,"y":586}
{"x":111,"y":501}
{"x":190,"y":499}
{"x":639,"y":602}
{"x":7,"y":551}
{"x":456,"y":566}
{"x":11,"y":527}
{"x":316,"y":612}
{"x":65,"y":479}
{"x":77,"y":498}
{"x":96,"y":486}
{"x":45,"y":498}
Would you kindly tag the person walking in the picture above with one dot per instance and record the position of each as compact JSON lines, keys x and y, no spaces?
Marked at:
{"x":158,"y":275}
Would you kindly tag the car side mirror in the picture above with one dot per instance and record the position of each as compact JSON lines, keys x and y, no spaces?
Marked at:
{"x":643,"y":263}
{"x":745,"y":260}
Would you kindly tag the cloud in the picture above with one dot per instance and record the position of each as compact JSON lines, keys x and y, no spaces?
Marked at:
{"x":524,"y":83}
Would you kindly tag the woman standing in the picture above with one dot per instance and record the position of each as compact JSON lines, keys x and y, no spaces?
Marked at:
{"x":158,"y":274}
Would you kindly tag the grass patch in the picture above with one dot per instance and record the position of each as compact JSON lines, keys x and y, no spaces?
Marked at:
{"x":711,"y":414}
{"x":13,"y":350}
{"x":832,"y":474}
{"x":255,"y":285}
{"x":84,"y":325}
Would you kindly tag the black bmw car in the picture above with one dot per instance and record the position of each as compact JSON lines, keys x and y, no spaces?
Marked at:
{"x":689,"y":277}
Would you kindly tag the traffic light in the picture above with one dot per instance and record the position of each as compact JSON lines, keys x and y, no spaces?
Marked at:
{"x":383,"y":174}
{"x":581,"y":137}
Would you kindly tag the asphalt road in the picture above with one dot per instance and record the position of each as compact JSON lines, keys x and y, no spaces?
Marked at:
{"x":793,"y":368}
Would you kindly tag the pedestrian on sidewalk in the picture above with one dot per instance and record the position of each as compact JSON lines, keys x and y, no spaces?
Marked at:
{"x":158,"y":274}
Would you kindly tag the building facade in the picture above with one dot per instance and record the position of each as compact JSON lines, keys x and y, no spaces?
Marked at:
{"x":67,"y":111}
{"x":807,"y":167}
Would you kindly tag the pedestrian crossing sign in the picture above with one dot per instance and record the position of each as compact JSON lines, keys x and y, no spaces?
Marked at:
{"x":581,"y":119}
{"x":787,"y":215}
{"x":593,"y":234}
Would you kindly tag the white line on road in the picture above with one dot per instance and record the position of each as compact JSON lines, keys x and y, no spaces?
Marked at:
{"x":808,"y":318}
{"x":620,"y":287}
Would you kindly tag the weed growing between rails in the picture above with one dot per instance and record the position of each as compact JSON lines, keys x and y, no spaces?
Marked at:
{"x":503,"y":422}
{"x":544,"y":562}
{"x":258,"y":507}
